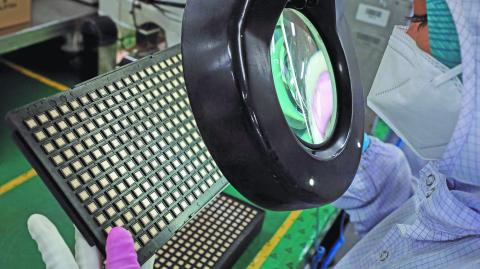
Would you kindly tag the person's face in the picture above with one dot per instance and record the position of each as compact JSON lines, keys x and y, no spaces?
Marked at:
{"x":417,"y":30}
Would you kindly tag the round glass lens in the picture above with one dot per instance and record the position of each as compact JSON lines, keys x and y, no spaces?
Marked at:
{"x":303,"y":77}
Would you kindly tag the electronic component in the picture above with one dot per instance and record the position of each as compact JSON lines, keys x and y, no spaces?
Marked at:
{"x":215,"y":238}
{"x":122,"y":149}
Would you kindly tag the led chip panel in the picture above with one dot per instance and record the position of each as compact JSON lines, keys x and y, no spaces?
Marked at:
{"x":215,"y":238}
{"x":122,"y":149}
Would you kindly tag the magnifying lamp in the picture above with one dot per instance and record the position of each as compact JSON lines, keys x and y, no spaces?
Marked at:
{"x":276,"y":94}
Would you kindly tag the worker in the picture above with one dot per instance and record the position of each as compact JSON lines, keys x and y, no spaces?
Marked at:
{"x":427,"y":89}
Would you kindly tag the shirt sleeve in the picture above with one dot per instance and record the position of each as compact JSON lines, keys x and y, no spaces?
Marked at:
{"x":382,"y":184}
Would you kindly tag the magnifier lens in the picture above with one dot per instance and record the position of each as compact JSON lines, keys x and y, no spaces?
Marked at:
{"x":303,"y":78}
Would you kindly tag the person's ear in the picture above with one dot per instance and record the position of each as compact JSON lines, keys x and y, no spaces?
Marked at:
{"x":419,"y":33}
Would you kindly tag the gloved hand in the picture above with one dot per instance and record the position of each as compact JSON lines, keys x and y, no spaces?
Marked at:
{"x":366,"y":143}
{"x":56,"y":254}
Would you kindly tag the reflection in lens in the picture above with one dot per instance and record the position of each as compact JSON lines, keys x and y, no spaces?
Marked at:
{"x":303,"y":78}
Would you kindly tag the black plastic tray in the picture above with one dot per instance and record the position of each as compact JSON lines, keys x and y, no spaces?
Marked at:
{"x":215,"y":238}
{"x":183,"y":180}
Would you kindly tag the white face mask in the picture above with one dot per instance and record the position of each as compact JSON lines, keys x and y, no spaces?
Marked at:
{"x":417,"y":96}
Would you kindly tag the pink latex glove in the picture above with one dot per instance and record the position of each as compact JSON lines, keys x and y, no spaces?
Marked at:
{"x":120,"y":250}
{"x":56,"y":254}
{"x":323,"y":103}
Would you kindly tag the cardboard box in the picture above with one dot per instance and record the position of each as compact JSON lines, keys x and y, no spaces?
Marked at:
{"x":14,"y":12}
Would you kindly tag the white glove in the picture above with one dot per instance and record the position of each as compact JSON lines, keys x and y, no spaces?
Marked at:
{"x":57,"y":255}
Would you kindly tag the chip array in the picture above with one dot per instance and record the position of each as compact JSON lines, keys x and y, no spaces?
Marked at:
{"x":214,"y":238}
{"x":122,"y":150}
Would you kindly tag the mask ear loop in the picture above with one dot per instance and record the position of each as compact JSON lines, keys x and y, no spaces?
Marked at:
{"x":450,"y":74}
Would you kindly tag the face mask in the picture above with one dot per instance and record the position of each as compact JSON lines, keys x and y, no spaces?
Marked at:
{"x":417,"y":96}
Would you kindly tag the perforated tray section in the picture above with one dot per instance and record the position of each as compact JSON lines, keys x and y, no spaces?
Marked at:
{"x":122,"y":150}
{"x":215,"y":238}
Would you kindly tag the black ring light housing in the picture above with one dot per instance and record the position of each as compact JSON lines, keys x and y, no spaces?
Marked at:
{"x":228,"y":73}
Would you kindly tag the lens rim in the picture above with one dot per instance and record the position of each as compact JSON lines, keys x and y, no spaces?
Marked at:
{"x":226,"y":58}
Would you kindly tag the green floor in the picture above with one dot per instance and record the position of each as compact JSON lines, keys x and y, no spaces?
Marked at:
{"x":293,"y":248}
{"x":19,"y":251}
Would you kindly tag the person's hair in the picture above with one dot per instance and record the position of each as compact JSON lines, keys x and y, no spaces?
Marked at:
{"x":422,"y":19}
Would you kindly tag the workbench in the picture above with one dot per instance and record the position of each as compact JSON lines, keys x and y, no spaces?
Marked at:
{"x":50,"y":19}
